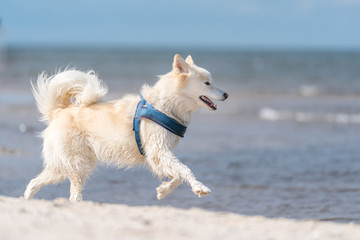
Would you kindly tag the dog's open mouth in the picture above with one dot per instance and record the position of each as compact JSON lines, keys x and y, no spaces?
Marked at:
{"x":208,"y":102}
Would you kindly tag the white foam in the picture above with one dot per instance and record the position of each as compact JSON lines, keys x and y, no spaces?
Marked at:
{"x":308,"y":90}
{"x":269,"y":114}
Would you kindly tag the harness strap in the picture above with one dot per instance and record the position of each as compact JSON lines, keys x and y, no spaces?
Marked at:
{"x":146,"y":110}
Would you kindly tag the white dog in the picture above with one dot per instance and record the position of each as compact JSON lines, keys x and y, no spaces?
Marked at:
{"x":82,"y":131}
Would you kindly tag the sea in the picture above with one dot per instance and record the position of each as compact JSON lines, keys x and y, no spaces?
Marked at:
{"x":286,"y":143}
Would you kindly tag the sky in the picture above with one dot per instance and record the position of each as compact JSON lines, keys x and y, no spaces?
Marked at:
{"x":333,"y":24}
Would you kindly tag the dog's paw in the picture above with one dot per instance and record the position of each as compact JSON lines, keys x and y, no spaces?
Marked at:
{"x":75,"y":198}
{"x":162,"y":190}
{"x":200,"y":189}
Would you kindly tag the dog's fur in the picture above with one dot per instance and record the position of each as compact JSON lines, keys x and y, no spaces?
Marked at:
{"x":82,"y":131}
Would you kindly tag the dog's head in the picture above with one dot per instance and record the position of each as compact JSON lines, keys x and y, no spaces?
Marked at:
{"x":196,"y":83}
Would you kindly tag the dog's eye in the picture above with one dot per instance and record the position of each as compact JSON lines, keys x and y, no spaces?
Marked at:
{"x":207,"y":83}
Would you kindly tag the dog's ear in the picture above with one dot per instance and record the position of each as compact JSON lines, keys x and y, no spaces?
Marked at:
{"x":189,"y":60}
{"x":180,"y":65}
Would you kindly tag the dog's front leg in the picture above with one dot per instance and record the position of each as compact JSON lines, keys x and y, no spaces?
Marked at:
{"x":167,"y":165}
{"x":167,"y":187}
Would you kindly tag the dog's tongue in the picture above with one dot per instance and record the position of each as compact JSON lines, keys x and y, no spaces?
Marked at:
{"x":212,"y":105}
{"x":208,"y":102}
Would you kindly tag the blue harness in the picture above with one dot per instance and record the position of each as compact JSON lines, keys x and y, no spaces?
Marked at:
{"x":146,"y":110}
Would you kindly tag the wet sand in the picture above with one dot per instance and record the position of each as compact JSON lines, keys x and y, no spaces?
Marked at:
{"x":60,"y":219}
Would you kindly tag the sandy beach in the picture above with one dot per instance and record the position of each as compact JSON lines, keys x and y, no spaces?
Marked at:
{"x":60,"y":219}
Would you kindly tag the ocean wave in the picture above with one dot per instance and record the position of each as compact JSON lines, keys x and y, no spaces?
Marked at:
{"x":269,"y":114}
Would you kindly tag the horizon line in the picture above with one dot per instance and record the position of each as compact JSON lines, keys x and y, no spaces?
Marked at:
{"x":170,"y":47}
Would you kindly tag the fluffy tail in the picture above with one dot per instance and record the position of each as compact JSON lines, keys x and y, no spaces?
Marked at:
{"x":65,"y":88}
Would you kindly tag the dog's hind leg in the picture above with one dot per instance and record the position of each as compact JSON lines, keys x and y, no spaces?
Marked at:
{"x":77,"y":179}
{"x":167,"y":187}
{"x":77,"y":184}
{"x":77,"y":176}
{"x":46,"y":177}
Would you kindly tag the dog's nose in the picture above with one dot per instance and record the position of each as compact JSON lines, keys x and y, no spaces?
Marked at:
{"x":226,"y":96}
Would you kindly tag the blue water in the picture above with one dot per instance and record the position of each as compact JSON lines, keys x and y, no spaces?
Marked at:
{"x":285,"y":144}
